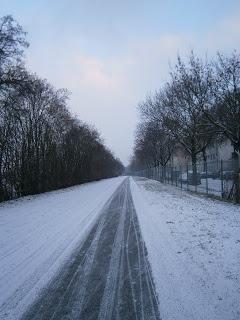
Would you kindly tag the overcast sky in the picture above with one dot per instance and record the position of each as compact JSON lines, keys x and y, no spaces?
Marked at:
{"x":110,"y":53}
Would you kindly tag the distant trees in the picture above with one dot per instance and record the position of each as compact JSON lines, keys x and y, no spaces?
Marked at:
{"x":199,"y":103}
{"x":42,"y":146}
{"x":153,"y":146}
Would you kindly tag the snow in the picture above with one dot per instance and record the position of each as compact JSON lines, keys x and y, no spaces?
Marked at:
{"x":214,"y":186}
{"x":39,"y":233}
{"x":193,"y":246}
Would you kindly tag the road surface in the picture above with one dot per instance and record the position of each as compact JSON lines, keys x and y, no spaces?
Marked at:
{"x":108,"y":277}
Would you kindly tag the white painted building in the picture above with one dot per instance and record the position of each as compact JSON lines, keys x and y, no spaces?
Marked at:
{"x":218,"y":154}
{"x":220,"y":151}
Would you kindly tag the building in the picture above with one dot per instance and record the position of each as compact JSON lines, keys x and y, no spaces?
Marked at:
{"x":220,"y":151}
{"x":219,"y":155}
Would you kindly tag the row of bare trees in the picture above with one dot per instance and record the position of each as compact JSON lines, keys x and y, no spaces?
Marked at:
{"x":198,"y":105}
{"x":42,"y":146}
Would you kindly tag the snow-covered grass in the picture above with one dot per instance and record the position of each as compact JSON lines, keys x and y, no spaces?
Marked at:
{"x":211,"y":186}
{"x":38,"y":234}
{"x":214,"y":186}
{"x":194,"y":250}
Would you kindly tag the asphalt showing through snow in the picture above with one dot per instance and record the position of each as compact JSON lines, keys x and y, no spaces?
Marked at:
{"x":108,"y":277}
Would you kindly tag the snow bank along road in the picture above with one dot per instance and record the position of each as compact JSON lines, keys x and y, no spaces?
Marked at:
{"x":75,"y":261}
{"x":193,"y":246}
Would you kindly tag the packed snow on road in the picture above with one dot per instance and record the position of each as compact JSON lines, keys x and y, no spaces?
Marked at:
{"x":38,"y":234}
{"x":119,"y":249}
{"x":193,"y":246}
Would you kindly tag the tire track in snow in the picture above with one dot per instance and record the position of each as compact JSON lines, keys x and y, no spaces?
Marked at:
{"x":147,"y":272}
{"x":79,"y":293}
{"x":18,"y":302}
{"x":109,"y":276}
{"x":130,"y":272}
{"x":106,"y":307}
{"x":65,"y":281}
{"x":139,"y":263}
{"x":85,"y":269}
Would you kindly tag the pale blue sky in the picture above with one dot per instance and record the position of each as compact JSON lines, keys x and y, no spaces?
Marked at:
{"x":110,"y":54}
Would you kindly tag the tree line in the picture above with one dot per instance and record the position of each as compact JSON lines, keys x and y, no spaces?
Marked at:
{"x":42,"y":146}
{"x":199,"y":104}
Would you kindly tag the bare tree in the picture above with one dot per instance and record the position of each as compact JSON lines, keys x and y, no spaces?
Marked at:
{"x":223,"y":110}
{"x":42,"y":146}
{"x":178,"y":106}
{"x":12,"y":44}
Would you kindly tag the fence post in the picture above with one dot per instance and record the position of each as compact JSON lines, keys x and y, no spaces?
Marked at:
{"x":206,"y":177}
{"x":221,"y":177}
{"x":187,"y":177}
{"x":196,"y":178}
{"x":236,"y":178}
{"x":176,"y":176}
{"x":181,"y":175}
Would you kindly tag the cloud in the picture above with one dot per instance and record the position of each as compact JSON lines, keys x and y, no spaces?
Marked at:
{"x":92,"y":72}
{"x":106,"y":89}
{"x":224,"y":36}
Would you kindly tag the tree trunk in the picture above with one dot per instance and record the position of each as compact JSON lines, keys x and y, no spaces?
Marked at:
{"x":194,"y":169}
{"x":204,"y":160}
{"x":236,"y":177}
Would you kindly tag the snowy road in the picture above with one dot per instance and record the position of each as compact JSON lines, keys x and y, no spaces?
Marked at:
{"x":78,"y":253}
{"x":39,"y":233}
{"x":108,"y":276}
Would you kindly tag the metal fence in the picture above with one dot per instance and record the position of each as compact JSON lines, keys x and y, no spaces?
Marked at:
{"x":217,"y":178}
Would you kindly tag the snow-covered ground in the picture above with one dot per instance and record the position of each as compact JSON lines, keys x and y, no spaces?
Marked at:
{"x":214,"y":186}
{"x":38,"y":234}
{"x":193,"y":245}
{"x":194,"y":249}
